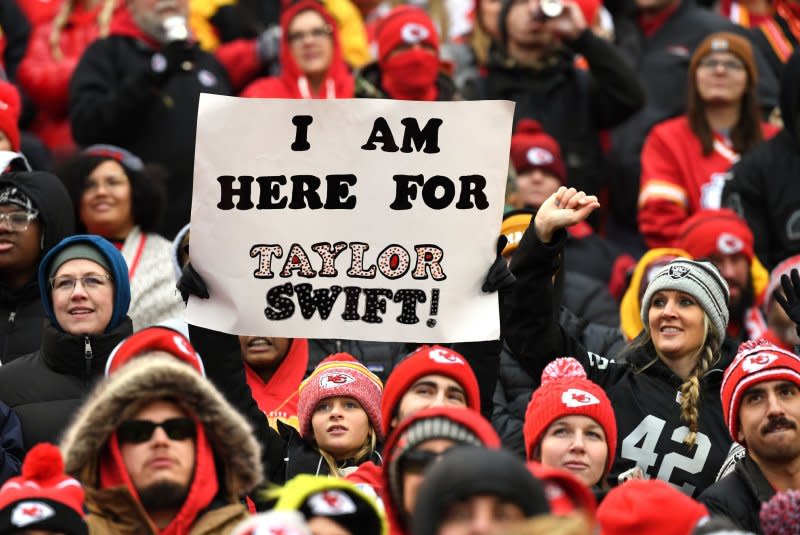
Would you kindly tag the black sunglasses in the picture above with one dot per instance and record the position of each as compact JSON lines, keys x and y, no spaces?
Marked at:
{"x":416,"y":461}
{"x":138,"y":431}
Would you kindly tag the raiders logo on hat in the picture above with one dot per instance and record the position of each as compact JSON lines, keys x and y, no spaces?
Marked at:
{"x":413,"y":33}
{"x":719,"y":44}
{"x":540,"y":156}
{"x":331,"y":503}
{"x":758,"y":362}
{"x":444,"y":357}
{"x":335,"y":379}
{"x":729,"y":244}
{"x":574,"y":397}
{"x":26,"y":513}
{"x":678,"y":272}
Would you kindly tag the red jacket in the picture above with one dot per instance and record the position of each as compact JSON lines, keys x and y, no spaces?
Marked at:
{"x":677,"y":179}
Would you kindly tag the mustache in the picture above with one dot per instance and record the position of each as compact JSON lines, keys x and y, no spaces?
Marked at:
{"x":775,"y":423}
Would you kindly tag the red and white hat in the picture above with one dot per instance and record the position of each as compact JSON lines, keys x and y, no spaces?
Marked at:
{"x":566,"y":391}
{"x":756,"y":362}
{"x":154,"y":339}
{"x":405,"y":24}
{"x":533,"y":148}
{"x":340,"y":374}
{"x":710,"y":232}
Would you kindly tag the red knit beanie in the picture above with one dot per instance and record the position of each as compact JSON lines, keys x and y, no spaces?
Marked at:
{"x":43,"y":497}
{"x":10,"y":110}
{"x":565,"y":492}
{"x":710,"y":232}
{"x":565,"y":391}
{"x":756,"y":362}
{"x":428,"y":360}
{"x":533,"y":148}
{"x":405,"y":24}
{"x":340,"y":374}
{"x":154,"y":339}
{"x":648,"y":507}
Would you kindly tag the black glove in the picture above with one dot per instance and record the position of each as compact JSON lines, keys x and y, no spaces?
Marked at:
{"x":191,"y":283}
{"x":790,"y":300}
{"x":499,"y":278}
{"x":268,"y":44}
{"x":174,"y":57}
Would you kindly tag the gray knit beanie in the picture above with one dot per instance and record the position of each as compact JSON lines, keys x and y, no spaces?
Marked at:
{"x":702,"y":281}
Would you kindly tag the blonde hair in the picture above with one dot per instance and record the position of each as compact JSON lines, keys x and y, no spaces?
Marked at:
{"x":61,"y":18}
{"x":367,"y":448}
{"x":572,"y":524}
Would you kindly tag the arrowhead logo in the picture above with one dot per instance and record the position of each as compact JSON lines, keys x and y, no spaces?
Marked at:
{"x":729,"y":244}
{"x":331,"y":502}
{"x":443,"y":356}
{"x":758,"y":362}
{"x":540,"y":156}
{"x":26,"y":513}
{"x":574,"y":398}
{"x":335,"y":380}
{"x":413,"y":33}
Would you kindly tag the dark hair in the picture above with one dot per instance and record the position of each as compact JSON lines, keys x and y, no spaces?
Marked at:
{"x":148,"y":189}
{"x":745,"y":134}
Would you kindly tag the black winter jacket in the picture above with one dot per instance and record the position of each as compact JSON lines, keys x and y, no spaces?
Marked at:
{"x":113,"y":99}
{"x":739,"y":495}
{"x":642,"y":389}
{"x":46,"y":388}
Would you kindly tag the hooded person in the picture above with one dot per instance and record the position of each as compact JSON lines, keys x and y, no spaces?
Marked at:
{"x":471,"y":481}
{"x":760,"y":188}
{"x":42,"y":217}
{"x":84,"y":289}
{"x":156,"y":410}
{"x":310,"y":56}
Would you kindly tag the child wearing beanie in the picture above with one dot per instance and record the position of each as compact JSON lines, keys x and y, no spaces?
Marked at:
{"x":570,"y":423}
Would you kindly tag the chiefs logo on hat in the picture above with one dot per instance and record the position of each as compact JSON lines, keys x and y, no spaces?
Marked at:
{"x":335,"y":380}
{"x":578,"y":398}
{"x":719,"y":44}
{"x":331,"y":502}
{"x":757,"y":362}
{"x":678,"y":272}
{"x":413,"y":33}
{"x":444,"y":357}
{"x":729,"y":244}
{"x":26,"y":513}
{"x":540,"y":156}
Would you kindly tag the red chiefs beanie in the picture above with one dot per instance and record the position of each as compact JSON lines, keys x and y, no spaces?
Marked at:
{"x":10,"y":110}
{"x":710,"y":232}
{"x":648,"y":507}
{"x":340,"y":374}
{"x":428,"y":360}
{"x":405,"y":24}
{"x":43,"y":497}
{"x":566,"y":391}
{"x":757,"y":361}
{"x":533,"y":148}
{"x":154,"y":339}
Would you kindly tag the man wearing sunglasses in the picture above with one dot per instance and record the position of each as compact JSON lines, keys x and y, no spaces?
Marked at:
{"x":177,"y":459}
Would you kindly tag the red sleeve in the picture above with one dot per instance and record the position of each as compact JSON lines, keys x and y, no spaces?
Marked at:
{"x":663,"y":199}
{"x":240,"y":59}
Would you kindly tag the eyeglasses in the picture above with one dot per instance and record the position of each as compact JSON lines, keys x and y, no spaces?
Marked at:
{"x":67,"y":284}
{"x":728,"y":64}
{"x":138,"y":431}
{"x":315,"y":33}
{"x":416,"y":461}
{"x":18,"y":221}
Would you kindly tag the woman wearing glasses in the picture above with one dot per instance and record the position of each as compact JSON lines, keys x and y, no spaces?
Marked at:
{"x":84,"y":289}
{"x":119,"y":198}
{"x":685,"y":160}
{"x":311,"y":58}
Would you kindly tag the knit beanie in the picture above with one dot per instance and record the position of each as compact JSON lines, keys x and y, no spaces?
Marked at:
{"x":405,"y":24}
{"x":10,"y":110}
{"x":565,"y":391}
{"x":757,"y":361}
{"x":17,"y":197}
{"x":565,"y":492}
{"x":272,"y":523}
{"x":710,"y":232}
{"x":340,"y":374}
{"x":533,"y":148}
{"x":428,"y":360}
{"x":154,"y":339}
{"x":648,"y":507}
{"x":515,"y":223}
{"x":461,"y":425}
{"x":726,"y":42}
{"x":78,"y":251}
{"x":781,"y":514}
{"x":702,"y":281}
{"x":784,"y":268}
{"x":43,"y":497}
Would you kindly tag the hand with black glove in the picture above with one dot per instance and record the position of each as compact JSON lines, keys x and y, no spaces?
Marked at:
{"x":499,"y":278}
{"x":790,"y":298}
{"x":191,"y":283}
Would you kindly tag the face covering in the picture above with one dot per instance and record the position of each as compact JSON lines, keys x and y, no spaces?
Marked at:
{"x":411,"y":75}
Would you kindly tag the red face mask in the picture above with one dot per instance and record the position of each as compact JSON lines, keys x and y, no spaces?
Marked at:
{"x":411,"y":75}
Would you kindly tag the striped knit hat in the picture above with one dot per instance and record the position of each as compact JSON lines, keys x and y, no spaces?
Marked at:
{"x":702,"y":281}
{"x":340,"y":374}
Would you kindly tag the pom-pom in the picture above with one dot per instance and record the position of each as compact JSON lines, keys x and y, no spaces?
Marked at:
{"x":749,"y":345}
{"x":562,"y":368}
{"x":528,"y":126}
{"x":781,"y":514}
{"x":339,"y":357}
{"x":43,"y":462}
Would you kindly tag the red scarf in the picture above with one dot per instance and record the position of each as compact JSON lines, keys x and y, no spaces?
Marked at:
{"x":277,"y":398}
{"x":203,"y":487}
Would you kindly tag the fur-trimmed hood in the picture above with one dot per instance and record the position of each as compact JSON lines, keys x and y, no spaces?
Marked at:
{"x":156,"y":377}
